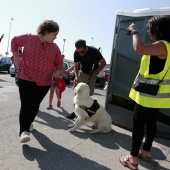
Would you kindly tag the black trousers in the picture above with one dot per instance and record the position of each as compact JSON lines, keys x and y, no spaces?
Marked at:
{"x":144,"y":124}
{"x":31,"y":96}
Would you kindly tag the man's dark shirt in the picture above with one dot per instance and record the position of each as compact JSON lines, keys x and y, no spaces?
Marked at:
{"x":87,"y":61}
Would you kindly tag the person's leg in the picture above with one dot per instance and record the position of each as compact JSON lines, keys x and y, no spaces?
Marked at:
{"x":139,"y":120}
{"x":82,"y":77}
{"x":143,"y":116}
{"x":27,"y":96}
{"x":41,"y":93}
{"x":52,"y":88}
{"x":51,"y":95}
{"x":30,"y":97}
{"x":92,"y":83}
{"x":58,"y":96}
{"x":16,"y":78}
{"x":151,"y":128}
{"x":138,"y":129}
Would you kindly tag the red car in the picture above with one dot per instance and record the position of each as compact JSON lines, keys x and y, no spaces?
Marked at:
{"x":107,"y":74}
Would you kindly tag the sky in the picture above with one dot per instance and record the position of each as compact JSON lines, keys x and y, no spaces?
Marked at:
{"x":91,"y":20}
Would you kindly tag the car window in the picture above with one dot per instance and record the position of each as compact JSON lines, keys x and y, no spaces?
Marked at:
{"x":3,"y":60}
{"x":107,"y":71}
{"x":7,"y":61}
{"x":65,"y":66}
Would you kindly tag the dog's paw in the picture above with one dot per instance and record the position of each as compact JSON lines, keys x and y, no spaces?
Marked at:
{"x":71,"y":130}
{"x":106,"y":130}
{"x":71,"y":125}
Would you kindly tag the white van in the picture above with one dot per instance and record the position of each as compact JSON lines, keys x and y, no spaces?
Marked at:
{"x":124,"y":66}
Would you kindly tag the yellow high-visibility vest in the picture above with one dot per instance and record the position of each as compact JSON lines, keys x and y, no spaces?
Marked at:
{"x":162,"y":99}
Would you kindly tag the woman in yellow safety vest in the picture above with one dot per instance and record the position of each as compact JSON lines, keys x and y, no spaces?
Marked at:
{"x":155,"y":65}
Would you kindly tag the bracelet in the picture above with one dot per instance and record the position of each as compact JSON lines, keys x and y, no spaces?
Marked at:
{"x":134,"y":32}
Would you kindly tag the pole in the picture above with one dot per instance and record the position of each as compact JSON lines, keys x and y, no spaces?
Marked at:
{"x":2,"y":36}
{"x":9,"y":36}
{"x":92,"y":40}
{"x":63,"y":45}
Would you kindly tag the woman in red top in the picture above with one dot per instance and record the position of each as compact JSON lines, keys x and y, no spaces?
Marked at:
{"x":39,"y":59}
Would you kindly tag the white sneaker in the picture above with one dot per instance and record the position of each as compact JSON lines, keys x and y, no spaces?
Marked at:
{"x":31,"y":127}
{"x":24,"y":137}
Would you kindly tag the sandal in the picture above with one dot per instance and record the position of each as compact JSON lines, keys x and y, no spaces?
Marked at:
{"x":58,"y":103}
{"x":143,"y":157}
{"x":125,"y":161}
{"x":50,"y":107}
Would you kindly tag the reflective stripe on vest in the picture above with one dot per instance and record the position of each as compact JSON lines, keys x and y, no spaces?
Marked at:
{"x":159,"y":95}
{"x":162,"y":82}
{"x":165,"y":82}
{"x":162,"y":99}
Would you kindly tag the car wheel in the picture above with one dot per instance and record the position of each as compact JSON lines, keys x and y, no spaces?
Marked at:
{"x":12,"y":75}
{"x":102,"y":82}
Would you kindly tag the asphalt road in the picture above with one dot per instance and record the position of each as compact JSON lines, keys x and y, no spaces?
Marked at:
{"x":53,"y":147}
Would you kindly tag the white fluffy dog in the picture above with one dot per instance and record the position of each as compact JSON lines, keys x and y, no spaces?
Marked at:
{"x":97,"y":117}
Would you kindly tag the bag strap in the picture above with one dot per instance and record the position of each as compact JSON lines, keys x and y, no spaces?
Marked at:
{"x":165,"y":73}
{"x":96,"y":58}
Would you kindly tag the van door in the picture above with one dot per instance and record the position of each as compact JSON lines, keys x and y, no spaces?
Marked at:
{"x":124,"y":67}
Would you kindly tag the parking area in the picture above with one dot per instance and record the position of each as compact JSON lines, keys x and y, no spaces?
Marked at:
{"x":53,"y":147}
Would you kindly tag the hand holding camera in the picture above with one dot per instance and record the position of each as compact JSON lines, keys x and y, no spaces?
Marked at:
{"x":131,"y":29}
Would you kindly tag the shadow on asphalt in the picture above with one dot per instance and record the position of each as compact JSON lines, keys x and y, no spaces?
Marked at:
{"x":52,"y":121}
{"x":98,"y":94}
{"x":165,"y":142}
{"x":63,"y":112}
{"x":54,"y":156}
{"x":113,"y":140}
{"x":3,"y":80}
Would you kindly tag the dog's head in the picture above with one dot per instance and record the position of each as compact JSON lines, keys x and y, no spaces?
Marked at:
{"x":82,"y":90}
